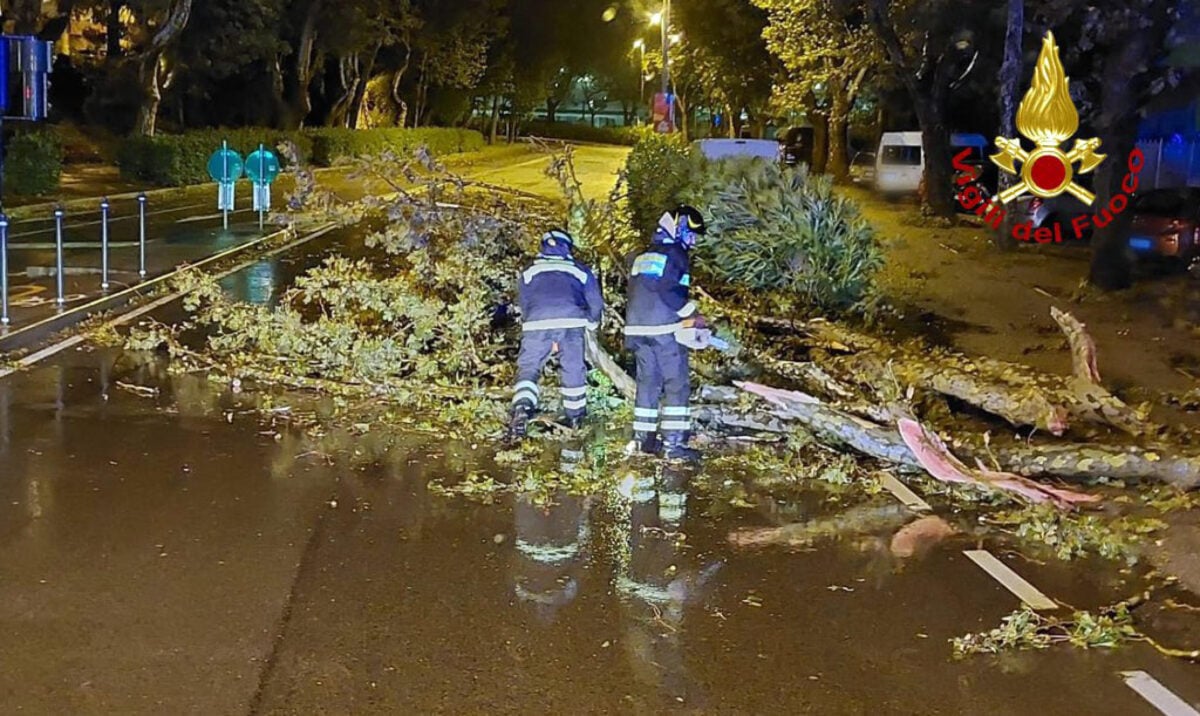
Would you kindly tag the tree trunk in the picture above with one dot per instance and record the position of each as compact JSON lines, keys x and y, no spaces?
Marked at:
{"x":495,"y":120}
{"x":1010,"y":75}
{"x":351,"y":78}
{"x":820,"y":151}
{"x":551,"y":109}
{"x":114,"y":30}
{"x":839,"y":116}
{"x":149,"y":65}
{"x":147,"y":116}
{"x":935,"y":141}
{"x":26,"y":16}
{"x":360,"y":92}
{"x":1117,"y":125}
{"x":299,"y":104}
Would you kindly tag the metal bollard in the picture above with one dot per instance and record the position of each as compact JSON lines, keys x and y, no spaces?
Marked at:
{"x":142,"y":235}
{"x":104,"y":207}
{"x":3,"y":269}
{"x":58,"y":254}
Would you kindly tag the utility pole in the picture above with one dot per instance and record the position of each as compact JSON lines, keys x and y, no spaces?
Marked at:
{"x":666,"y":47}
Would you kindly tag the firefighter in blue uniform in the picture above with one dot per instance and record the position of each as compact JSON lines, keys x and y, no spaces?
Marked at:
{"x":559,"y":299}
{"x":659,"y":307}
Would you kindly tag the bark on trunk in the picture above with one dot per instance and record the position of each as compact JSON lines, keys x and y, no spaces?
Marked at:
{"x":1070,"y":462}
{"x":114,"y":29}
{"x":1010,"y":75}
{"x":935,"y":143}
{"x":149,"y":65}
{"x":838,"y":166}
{"x":147,"y":116}
{"x":360,"y":92}
{"x":495,"y":120}
{"x":26,"y":16}
{"x":300,"y":80}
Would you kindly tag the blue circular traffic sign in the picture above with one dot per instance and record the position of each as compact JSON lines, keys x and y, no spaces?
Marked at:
{"x":262,"y":166}
{"x":225,"y":165}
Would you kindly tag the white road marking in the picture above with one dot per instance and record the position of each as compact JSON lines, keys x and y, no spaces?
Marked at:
{"x":1012,"y":581}
{"x":206,"y":217}
{"x":75,"y":340}
{"x":1159,"y":696}
{"x":901,"y":492}
{"x":112,"y":220}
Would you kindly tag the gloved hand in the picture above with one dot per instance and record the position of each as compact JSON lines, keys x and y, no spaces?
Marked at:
{"x":697,"y":321}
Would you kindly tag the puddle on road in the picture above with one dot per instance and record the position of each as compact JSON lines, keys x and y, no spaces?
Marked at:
{"x":175,"y":529}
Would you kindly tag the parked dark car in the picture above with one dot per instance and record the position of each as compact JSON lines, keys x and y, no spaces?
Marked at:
{"x":862,"y":168}
{"x":1166,"y":223}
{"x":797,"y":146}
{"x":1058,"y":211}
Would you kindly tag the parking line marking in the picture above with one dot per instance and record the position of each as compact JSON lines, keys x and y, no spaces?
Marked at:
{"x":901,"y":492}
{"x":1158,"y":696}
{"x":1012,"y":581}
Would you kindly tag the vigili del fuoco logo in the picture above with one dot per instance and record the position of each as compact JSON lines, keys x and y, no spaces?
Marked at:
{"x":1048,"y":118}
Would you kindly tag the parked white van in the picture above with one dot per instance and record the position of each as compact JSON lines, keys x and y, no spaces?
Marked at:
{"x":900,"y":162}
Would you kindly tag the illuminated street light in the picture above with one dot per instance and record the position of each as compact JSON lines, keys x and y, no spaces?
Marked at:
{"x":655,"y":19}
{"x":639,"y":44}
{"x":676,"y":37}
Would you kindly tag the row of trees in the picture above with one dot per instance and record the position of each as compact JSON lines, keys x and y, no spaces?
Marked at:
{"x":947,"y":53}
{"x":287,"y":63}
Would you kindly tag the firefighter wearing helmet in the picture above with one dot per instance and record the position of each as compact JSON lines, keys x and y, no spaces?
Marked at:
{"x":659,"y":309}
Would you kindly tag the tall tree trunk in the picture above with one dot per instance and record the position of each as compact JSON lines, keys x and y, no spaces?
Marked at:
{"x":26,"y":16}
{"x":360,"y":92}
{"x":1111,"y":268}
{"x":299,"y":104}
{"x":935,"y":144}
{"x":1010,"y":75}
{"x":114,"y":29}
{"x":148,"y":74}
{"x":551,"y":109}
{"x":495,"y":120}
{"x":149,"y":65}
{"x":351,"y":78}
{"x":839,"y":120}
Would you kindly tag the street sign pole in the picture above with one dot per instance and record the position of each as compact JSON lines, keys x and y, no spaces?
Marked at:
{"x":263,"y":168}
{"x":142,"y":235}
{"x":262,"y":172}
{"x":104,"y":206}
{"x":58,"y":255}
{"x":225,"y":177}
{"x":3,"y":269}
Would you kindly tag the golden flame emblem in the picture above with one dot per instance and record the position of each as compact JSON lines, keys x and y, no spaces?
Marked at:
{"x":1047,"y":117}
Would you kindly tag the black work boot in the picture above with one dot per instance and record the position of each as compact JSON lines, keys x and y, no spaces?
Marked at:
{"x":647,"y":443}
{"x":574,"y":422}
{"x":518,"y":424}
{"x":675,"y":447}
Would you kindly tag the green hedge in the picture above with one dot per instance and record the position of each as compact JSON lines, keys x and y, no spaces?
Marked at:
{"x":181,"y":159}
{"x":34,"y":163}
{"x":335,"y":146}
{"x":627,"y":136}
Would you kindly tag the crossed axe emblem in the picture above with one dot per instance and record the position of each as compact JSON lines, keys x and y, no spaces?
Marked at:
{"x":1047,"y":170}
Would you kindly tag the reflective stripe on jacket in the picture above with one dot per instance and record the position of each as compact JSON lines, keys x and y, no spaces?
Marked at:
{"x":559,"y":293}
{"x":659,"y":282}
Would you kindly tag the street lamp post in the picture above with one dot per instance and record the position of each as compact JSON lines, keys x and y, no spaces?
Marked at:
{"x":663,"y":20}
{"x":640,"y":46}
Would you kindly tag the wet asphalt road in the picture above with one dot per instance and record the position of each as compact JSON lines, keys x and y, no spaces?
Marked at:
{"x":180,"y":554}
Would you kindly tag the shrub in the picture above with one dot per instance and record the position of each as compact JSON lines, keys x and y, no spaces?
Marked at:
{"x":784,"y":231}
{"x":180,"y":159}
{"x":577,"y":132}
{"x":659,"y":171}
{"x":336,"y":146}
{"x":33,"y":163}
